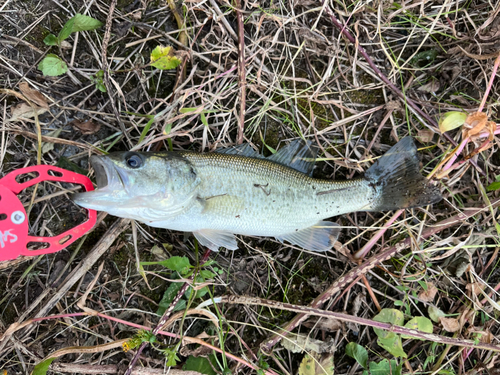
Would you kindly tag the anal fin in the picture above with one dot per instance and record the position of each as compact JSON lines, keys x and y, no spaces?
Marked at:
{"x":319,"y":237}
{"x":213,"y":239}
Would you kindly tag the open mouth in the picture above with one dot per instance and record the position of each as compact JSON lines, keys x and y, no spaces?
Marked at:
{"x":101,"y":173}
{"x":108,"y":183}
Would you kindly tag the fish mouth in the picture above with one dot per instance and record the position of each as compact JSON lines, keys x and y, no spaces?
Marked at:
{"x":109,"y":185}
{"x":101,"y":171}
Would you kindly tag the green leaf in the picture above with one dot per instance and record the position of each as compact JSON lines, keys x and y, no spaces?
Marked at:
{"x":317,"y":365}
{"x":50,"y":40}
{"x":200,"y":293}
{"x":452,"y":120}
{"x":435,"y":313}
{"x":420,"y":323}
{"x":146,"y":129}
{"x":176,"y":263}
{"x":42,"y":367}
{"x":99,"y":81}
{"x":52,"y":66}
{"x":497,"y":226}
{"x":168,"y":297}
{"x":199,"y":364}
{"x":423,"y":285}
{"x":493,"y":186}
{"x":357,"y":352}
{"x":385,"y":367}
{"x":78,"y":23}
{"x":207,"y":275}
{"x":171,"y":355}
{"x":85,"y":23}
{"x":393,"y":345}
{"x":163,"y":58}
{"x":66,"y":30}
{"x":391,"y":316}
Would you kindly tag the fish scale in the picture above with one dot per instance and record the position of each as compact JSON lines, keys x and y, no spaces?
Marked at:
{"x":238,"y":191}
{"x":259,"y":197}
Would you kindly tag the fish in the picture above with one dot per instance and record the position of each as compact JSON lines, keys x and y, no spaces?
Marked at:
{"x":237,"y":191}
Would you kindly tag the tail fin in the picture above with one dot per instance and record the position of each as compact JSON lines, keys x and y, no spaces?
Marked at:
{"x":397,"y":180}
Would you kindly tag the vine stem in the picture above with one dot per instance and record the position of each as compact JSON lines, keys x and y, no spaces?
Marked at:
{"x":165,"y":316}
{"x":246,"y":300}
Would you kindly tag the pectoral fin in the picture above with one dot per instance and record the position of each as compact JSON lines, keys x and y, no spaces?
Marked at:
{"x":319,"y":237}
{"x":214,"y":239}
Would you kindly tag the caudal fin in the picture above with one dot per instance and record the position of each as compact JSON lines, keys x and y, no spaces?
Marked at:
{"x":397,"y":179}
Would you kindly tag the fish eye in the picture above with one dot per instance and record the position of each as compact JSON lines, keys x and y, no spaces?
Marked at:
{"x":133,"y":161}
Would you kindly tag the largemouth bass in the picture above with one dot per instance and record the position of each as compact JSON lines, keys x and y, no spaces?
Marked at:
{"x":237,"y":191}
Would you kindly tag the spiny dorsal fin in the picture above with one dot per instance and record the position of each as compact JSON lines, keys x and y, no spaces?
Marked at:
{"x":299,"y":155}
{"x":243,"y":150}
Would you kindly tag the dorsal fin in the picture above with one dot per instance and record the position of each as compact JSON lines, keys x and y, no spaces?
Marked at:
{"x":299,"y":155}
{"x":243,"y":150}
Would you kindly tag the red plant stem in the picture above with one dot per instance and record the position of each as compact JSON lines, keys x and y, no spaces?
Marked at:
{"x":490,"y":83}
{"x":360,"y":254}
{"x":457,"y":152}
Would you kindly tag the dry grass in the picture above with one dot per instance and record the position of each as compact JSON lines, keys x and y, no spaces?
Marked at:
{"x":302,"y":79}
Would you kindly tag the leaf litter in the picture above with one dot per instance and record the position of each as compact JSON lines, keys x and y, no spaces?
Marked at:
{"x":302,"y":79}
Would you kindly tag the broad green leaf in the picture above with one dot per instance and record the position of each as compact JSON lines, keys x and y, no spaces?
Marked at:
{"x":85,"y":23}
{"x":420,"y":323}
{"x":317,"y":365}
{"x":385,"y":367}
{"x":435,"y":313}
{"x":451,"y":120}
{"x":207,"y":275}
{"x":42,"y":367}
{"x":78,"y":23}
{"x":391,"y":316}
{"x":200,"y":293}
{"x":168,"y":297}
{"x":493,"y":186}
{"x":393,"y":345}
{"x":66,"y":30}
{"x":357,"y":352}
{"x":176,"y":263}
{"x":50,"y":40}
{"x":163,"y":58}
{"x":199,"y":364}
{"x":52,"y":66}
